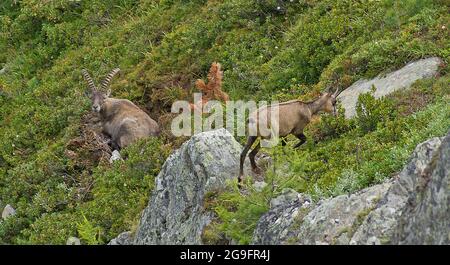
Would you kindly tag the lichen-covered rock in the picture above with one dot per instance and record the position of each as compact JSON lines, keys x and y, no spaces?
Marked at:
{"x":278,"y":225}
{"x":124,"y":238}
{"x":381,"y":223}
{"x":175,"y":213}
{"x":333,"y":220}
{"x":389,"y":83}
{"x":412,"y":208}
{"x":426,"y":217}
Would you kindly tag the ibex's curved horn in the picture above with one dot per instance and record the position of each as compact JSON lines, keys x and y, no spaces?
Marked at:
{"x":107,"y":80}
{"x":88,"y":79}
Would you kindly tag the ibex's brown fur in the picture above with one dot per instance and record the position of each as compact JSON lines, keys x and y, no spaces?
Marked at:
{"x":293,"y":117}
{"x":123,"y":121}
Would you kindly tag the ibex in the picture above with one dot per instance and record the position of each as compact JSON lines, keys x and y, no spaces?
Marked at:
{"x":293,"y":117}
{"x":123,"y":121}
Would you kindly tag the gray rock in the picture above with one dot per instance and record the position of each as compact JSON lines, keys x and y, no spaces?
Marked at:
{"x":175,"y":213}
{"x":115,"y":155}
{"x":278,"y":225}
{"x":411,"y":208}
{"x":389,"y":83}
{"x":381,"y":223}
{"x":124,"y":238}
{"x":426,"y":216}
{"x":259,"y":185}
{"x":73,"y":241}
{"x":333,"y":220}
{"x":8,"y":211}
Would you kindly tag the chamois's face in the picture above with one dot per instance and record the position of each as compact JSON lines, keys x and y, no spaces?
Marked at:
{"x":98,"y":98}
{"x":330,"y":103}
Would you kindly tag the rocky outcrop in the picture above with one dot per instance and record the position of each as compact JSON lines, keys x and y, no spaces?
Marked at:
{"x":175,"y":213}
{"x":426,"y":216}
{"x":278,"y":225}
{"x":124,"y":238}
{"x":381,"y":223}
{"x":412,"y":208}
{"x":389,"y":83}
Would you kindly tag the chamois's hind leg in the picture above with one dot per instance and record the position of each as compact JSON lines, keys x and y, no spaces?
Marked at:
{"x":250,"y":141}
{"x":252,"y":155}
{"x":302,"y":139}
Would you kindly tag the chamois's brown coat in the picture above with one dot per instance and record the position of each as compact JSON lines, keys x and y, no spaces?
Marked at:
{"x":293,"y":117}
{"x":122,"y":120}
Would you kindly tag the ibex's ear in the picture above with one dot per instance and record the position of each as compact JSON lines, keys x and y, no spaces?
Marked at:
{"x":108,"y":93}
{"x":88,"y":93}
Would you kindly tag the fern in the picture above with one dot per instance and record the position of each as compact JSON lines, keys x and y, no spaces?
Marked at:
{"x":89,"y":233}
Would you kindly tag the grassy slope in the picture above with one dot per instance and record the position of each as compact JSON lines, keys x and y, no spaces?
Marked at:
{"x":162,"y":47}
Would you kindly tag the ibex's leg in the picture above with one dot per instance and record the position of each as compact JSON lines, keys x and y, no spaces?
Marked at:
{"x":302,"y":139}
{"x":252,"y":158}
{"x":250,"y":141}
{"x":115,"y":146}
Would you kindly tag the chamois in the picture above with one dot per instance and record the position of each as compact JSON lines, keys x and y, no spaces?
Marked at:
{"x":293,"y":117}
{"x":122,"y":120}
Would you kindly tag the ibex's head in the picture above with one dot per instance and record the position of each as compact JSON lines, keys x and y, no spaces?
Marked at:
{"x":98,"y":96}
{"x":330,"y":101}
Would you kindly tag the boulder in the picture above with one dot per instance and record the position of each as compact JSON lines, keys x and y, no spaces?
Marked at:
{"x":8,"y":211}
{"x":389,"y":83}
{"x":175,"y":212}
{"x":411,"y":208}
{"x":73,"y":241}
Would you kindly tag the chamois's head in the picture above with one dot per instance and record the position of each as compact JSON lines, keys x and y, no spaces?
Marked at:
{"x":98,"y":96}
{"x":330,"y":101}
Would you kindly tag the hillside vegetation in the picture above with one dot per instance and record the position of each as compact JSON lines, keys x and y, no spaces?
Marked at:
{"x":268,"y":49}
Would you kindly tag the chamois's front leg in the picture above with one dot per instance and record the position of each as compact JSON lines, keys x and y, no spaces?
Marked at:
{"x":302,"y":139}
{"x":252,"y":155}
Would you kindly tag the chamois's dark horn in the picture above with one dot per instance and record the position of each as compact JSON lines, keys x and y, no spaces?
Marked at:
{"x":336,"y":93}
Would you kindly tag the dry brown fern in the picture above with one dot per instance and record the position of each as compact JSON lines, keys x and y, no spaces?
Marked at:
{"x":213,"y":90}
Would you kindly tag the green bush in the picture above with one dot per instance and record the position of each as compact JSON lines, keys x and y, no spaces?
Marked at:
{"x":370,"y":111}
{"x":331,"y":126}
